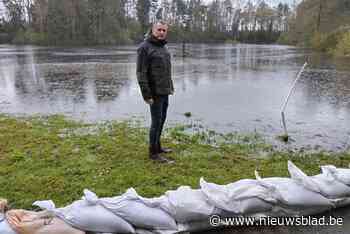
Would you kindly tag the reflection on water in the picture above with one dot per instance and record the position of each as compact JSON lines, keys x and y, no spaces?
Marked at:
{"x":226,"y":87}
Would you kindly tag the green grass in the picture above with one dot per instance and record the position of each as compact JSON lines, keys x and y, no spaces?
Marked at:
{"x":55,"y":158}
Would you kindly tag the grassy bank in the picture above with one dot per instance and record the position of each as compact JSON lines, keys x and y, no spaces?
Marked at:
{"x":54,"y":158}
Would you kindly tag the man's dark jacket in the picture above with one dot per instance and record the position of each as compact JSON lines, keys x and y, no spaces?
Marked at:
{"x":154,"y":68}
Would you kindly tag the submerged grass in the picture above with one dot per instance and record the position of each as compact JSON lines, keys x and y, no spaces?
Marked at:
{"x":55,"y":158}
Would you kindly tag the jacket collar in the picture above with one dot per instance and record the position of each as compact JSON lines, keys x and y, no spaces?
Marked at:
{"x":155,"y":41}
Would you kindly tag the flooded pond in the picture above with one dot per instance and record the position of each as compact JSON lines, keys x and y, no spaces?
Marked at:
{"x":227,"y":88}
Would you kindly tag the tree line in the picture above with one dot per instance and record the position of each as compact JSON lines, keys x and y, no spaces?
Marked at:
{"x":322,"y":25}
{"x":110,"y":22}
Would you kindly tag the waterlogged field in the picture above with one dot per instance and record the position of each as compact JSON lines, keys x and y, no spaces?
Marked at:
{"x":54,"y":158}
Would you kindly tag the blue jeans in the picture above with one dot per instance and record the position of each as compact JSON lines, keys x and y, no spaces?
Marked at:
{"x":158,"y":114}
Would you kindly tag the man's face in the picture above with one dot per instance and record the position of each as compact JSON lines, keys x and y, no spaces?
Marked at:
{"x":160,"y":31}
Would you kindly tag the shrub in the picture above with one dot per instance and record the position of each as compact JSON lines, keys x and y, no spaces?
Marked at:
{"x":331,"y":41}
{"x":38,"y":38}
{"x":317,"y":41}
{"x":28,"y":36}
{"x":343,"y":46}
{"x":284,"y":39}
{"x":20,"y":37}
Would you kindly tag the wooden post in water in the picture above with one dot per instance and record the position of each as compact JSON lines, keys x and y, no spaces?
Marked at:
{"x":285,"y":137}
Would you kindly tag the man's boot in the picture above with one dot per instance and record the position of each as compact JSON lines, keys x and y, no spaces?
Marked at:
{"x":164,"y":150}
{"x":155,"y":156}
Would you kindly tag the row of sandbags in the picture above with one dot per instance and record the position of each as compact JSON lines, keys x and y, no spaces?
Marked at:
{"x":187,"y":209}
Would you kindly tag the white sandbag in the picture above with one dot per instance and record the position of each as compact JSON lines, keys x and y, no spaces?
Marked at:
{"x":94,"y":218}
{"x":325,"y":183}
{"x":281,"y":209}
{"x":254,"y":205}
{"x":161,"y":202}
{"x":134,"y":210}
{"x":186,"y":204}
{"x":343,"y":175}
{"x":242,"y":197}
{"x":45,"y":205}
{"x":301,"y":178}
{"x":331,"y":187}
{"x":290,"y":193}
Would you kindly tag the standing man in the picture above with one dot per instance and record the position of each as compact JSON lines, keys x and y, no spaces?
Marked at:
{"x":154,"y":78}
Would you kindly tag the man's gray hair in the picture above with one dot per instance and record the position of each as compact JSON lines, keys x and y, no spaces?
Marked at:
{"x":163,"y":22}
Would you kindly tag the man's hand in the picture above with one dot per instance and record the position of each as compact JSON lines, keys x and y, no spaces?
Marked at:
{"x":23,"y":222}
{"x":149,"y":101}
{"x":25,"y":227}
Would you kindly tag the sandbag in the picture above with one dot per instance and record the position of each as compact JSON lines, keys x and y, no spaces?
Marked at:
{"x":341,"y":174}
{"x":301,"y":178}
{"x":57,"y":226}
{"x":281,"y":210}
{"x":290,"y":193}
{"x":134,"y":210}
{"x":95,"y":218}
{"x":45,"y":205}
{"x":242,"y":197}
{"x":295,"y":196}
{"x":186,"y":204}
{"x":331,"y":187}
{"x":325,"y":183}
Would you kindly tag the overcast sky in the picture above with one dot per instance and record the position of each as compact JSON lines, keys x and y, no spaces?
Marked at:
{"x":1,"y":6}
{"x":1,"y":9}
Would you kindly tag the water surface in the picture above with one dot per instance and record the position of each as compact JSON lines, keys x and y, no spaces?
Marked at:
{"x":228,"y":88}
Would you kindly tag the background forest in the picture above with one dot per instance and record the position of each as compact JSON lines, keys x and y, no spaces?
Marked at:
{"x":320,"y":24}
{"x":101,"y":22}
